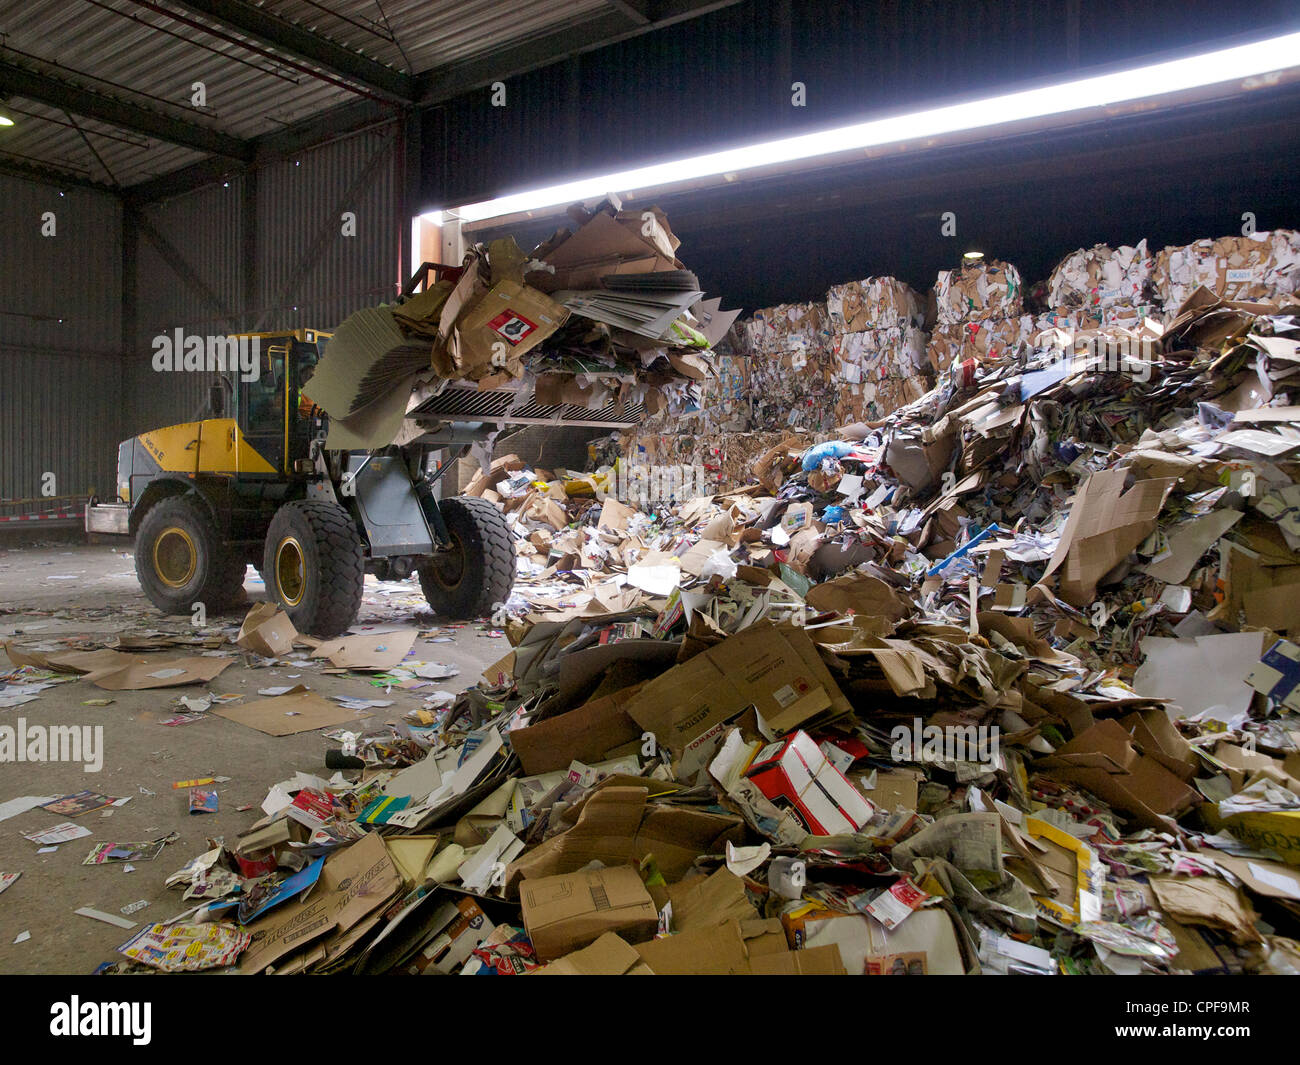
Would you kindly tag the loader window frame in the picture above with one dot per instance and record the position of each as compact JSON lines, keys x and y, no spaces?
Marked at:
{"x":262,"y":404}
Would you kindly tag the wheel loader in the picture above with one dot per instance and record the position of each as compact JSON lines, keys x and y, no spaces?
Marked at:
{"x":253,"y":483}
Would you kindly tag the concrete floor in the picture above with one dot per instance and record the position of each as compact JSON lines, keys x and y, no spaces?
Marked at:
{"x":103,"y":598}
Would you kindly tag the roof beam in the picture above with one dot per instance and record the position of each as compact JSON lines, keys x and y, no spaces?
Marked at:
{"x":633,"y":9}
{"x":291,"y":39}
{"x":50,"y":175}
{"x":88,"y":103}
{"x":341,"y":121}
{"x":631,"y":18}
{"x":437,"y":85}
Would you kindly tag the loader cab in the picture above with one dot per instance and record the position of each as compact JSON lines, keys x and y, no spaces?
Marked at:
{"x":274,"y":416}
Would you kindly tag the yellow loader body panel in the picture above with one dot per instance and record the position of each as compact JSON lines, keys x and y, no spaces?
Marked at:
{"x":214,"y":445}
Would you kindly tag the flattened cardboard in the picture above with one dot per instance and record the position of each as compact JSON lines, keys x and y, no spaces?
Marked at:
{"x":815,"y":961}
{"x":1206,"y":900}
{"x":716,"y":950}
{"x":603,"y":245}
{"x":287,"y":715}
{"x":1275,"y":830}
{"x":585,"y":734}
{"x":354,"y":882}
{"x":1104,"y":760}
{"x":608,"y":956}
{"x":378,"y":652}
{"x":136,"y":672}
{"x":567,"y":912}
{"x":710,"y":900}
{"x":1106,"y":523}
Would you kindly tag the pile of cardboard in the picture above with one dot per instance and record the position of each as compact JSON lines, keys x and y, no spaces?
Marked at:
{"x":600,"y":313}
{"x":1008,"y":682}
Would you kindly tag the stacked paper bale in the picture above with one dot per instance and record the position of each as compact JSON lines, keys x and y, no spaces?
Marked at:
{"x":1099,"y":293}
{"x":1103,"y":285}
{"x":1261,"y":266}
{"x":979,"y":314}
{"x":878,"y":346}
{"x":788,"y":367}
{"x":775,"y":371}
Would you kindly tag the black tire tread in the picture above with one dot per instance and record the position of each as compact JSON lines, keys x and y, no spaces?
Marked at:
{"x":223,"y":581}
{"x":341,"y":562}
{"x":486,"y":524}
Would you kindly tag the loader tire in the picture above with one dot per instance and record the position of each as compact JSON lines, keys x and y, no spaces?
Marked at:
{"x":180,"y":559}
{"x":314,"y":566}
{"x":477,"y":570}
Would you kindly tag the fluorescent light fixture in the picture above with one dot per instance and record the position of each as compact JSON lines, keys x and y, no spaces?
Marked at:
{"x":5,"y":120}
{"x":972,"y":255}
{"x":1104,"y":90}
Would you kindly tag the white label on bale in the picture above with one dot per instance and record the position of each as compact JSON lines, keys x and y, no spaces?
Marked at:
{"x":1240,"y":277}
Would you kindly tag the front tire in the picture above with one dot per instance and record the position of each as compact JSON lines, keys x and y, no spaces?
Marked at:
{"x":314,"y":566}
{"x":180,"y":560}
{"x":477,"y":569}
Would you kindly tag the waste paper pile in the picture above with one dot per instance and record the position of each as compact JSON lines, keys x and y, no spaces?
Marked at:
{"x":1005,"y":681}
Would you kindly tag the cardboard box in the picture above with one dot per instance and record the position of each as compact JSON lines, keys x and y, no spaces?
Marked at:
{"x":608,"y":956}
{"x":864,"y":942}
{"x":506,"y":322}
{"x":795,"y":775}
{"x":567,"y":912}
{"x":1278,"y":674}
{"x":616,"y":825}
{"x":777,"y":671}
{"x":267,"y":631}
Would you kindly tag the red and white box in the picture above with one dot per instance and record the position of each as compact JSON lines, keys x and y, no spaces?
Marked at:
{"x":796,"y":776}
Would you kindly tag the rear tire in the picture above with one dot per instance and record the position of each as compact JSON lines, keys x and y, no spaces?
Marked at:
{"x":477,"y":570}
{"x":314,"y":566}
{"x":180,"y":560}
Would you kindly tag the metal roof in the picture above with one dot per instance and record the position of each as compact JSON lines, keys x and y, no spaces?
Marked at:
{"x":101,"y":90}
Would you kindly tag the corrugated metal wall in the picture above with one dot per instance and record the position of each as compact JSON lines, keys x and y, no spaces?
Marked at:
{"x":61,"y":382}
{"x":309,"y":273}
{"x":726,"y":78}
{"x":261,"y":252}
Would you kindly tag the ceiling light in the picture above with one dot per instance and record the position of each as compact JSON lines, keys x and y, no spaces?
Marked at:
{"x":1104,"y":90}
